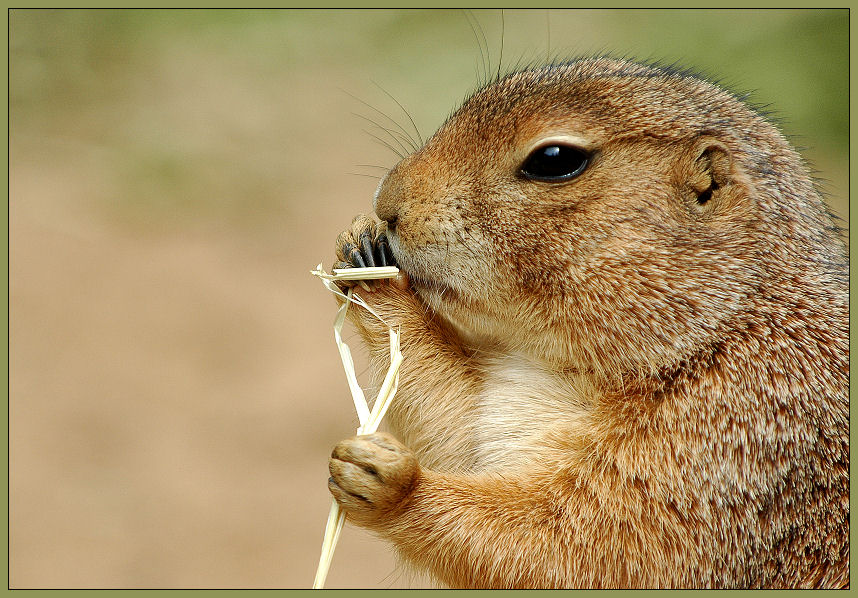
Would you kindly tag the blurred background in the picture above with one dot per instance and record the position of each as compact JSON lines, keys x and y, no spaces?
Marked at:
{"x":174,"y":176}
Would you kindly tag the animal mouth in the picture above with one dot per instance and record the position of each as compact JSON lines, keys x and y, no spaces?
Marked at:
{"x":430,"y":272}
{"x":406,"y":261}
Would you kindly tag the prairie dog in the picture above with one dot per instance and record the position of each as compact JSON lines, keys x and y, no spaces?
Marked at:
{"x":624,"y":314}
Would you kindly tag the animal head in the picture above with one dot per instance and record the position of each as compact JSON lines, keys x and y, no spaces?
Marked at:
{"x":601,"y":214}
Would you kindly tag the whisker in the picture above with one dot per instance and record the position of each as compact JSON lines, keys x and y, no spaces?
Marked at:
{"x":484,"y":56}
{"x":411,"y":120}
{"x":371,"y":107}
{"x":393,"y":132}
{"x":374,"y":166}
{"x":384,"y":143}
{"x":395,"y":135}
{"x":503,"y":30}
{"x":464,"y":244}
{"x":476,"y":39}
{"x":547,"y":37}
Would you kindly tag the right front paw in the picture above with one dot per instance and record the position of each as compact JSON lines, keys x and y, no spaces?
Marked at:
{"x":364,"y":244}
{"x":371,"y":476}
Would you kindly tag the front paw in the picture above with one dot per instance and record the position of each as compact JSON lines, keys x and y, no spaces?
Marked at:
{"x":364,"y":244}
{"x":372,"y":476}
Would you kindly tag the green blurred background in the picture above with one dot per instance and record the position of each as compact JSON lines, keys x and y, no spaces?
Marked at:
{"x":174,"y":176}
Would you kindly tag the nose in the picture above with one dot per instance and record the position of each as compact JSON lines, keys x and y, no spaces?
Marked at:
{"x":386,"y":201}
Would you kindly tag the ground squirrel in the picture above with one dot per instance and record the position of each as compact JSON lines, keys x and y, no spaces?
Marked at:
{"x":625,"y":331}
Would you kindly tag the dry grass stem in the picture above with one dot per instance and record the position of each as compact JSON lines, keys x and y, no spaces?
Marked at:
{"x":369,"y":420}
{"x":374,"y":273}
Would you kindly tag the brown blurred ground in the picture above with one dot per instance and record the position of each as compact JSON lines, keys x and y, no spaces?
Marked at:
{"x":175,"y":389}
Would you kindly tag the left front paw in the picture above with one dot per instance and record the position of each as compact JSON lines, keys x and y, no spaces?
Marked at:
{"x":363,"y":244}
{"x":371,"y":476}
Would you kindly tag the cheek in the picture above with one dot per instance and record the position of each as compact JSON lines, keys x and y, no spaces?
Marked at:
{"x":420,"y":229}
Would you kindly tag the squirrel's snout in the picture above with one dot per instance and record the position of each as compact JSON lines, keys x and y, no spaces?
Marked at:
{"x":388,"y":212}
{"x":386,"y":203}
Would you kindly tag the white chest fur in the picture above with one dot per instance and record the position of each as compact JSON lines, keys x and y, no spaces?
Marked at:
{"x":519,"y":407}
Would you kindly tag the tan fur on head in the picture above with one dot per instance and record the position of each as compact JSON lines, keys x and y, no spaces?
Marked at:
{"x":635,"y":377}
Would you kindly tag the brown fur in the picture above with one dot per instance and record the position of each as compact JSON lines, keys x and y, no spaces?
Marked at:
{"x":606,"y":384}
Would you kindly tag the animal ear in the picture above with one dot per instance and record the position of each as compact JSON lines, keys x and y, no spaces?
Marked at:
{"x":710,"y":171}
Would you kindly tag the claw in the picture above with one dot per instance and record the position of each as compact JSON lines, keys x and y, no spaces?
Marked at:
{"x":385,"y":255}
{"x":355,"y":256}
{"x":341,"y":246}
{"x":366,"y":246}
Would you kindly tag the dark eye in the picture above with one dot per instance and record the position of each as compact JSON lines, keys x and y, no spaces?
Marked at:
{"x":554,"y":163}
